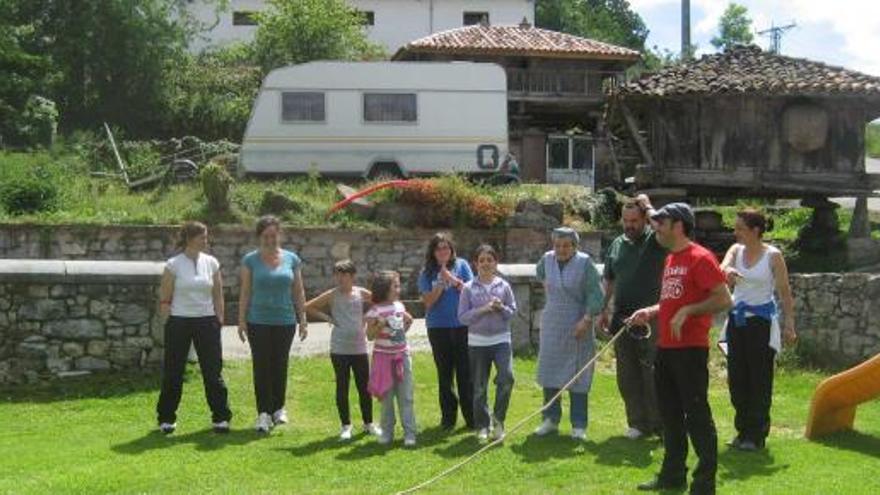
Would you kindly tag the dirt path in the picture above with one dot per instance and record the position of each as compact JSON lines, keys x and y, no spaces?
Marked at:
{"x":317,"y":343}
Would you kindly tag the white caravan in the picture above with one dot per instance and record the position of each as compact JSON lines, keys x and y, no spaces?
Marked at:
{"x":371,"y":119}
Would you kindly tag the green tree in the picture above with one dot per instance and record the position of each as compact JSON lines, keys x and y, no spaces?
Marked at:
{"x":612,"y":21}
{"x":110,"y":57}
{"x":210,"y":94}
{"x":297,"y":31}
{"x":734,"y":28}
{"x":24,"y":71}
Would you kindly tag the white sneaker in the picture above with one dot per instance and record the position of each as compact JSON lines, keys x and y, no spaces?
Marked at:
{"x":372,"y":429}
{"x":498,"y":431}
{"x":579,"y":433}
{"x":167,"y":428}
{"x":345,"y":433}
{"x":633,"y":433}
{"x":409,"y":441}
{"x":483,"y":435}
{"x":221,"y":427}
{"x":264,"y":423}
{"x":279,"y":417}
{"x":546,"y":427}
{"x":384,"y":439}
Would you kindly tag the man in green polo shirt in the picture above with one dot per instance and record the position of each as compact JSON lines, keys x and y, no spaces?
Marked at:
{"x":633,"y":271}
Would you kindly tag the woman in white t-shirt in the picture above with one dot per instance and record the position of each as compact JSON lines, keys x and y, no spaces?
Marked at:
{"x":191,"y":298}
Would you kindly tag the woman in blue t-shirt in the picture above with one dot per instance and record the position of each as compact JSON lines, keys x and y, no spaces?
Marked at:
{"x":271,"y":303}
{"x":440,"y":284}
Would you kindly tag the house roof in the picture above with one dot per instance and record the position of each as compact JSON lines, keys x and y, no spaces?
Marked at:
{"x":519,"y":40}
{"x":750,"y":70}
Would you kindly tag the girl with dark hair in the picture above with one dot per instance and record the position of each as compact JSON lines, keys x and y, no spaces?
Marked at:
{"x":343,"y":306}
{"x":440,"y":283}
{"x":191,"y":298}
{"x":486,"y":306}
{"x":271,"y":304}
{"x":391,"y":374}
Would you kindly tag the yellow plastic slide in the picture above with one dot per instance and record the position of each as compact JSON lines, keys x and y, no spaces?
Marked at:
{"x":836,"y":398}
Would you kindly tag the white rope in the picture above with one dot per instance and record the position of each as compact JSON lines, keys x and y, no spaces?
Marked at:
{"x":522,"y":422}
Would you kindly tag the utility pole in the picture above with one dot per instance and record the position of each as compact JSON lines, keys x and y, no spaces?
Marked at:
{"x":775,"y":33}
{"x":686,"y":30}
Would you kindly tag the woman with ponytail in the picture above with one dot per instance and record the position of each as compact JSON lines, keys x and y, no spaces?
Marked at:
{"x":191,"y":300}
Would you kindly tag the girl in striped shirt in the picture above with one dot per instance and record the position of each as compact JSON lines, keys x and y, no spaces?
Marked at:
{"x":391,"y":373}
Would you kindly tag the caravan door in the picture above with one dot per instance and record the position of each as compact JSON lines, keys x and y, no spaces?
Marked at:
{"x":570,"y":160}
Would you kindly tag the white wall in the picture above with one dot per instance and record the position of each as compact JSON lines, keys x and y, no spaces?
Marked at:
{"x":223,"y":31}
{"x":397,"y":22}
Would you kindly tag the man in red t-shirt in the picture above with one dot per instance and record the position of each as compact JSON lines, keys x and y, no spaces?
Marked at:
{"x":693,"y":289}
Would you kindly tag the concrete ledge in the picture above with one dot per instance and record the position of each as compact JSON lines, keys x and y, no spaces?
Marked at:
{"x":526,"y":272}
{"x":517,"y":272}
{"x":81,"y":272}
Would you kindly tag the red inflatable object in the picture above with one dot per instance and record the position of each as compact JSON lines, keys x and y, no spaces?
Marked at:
{"x":365,"y":192}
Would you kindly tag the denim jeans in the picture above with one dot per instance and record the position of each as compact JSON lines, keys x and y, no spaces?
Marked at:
{"x":402,"y":391}
{"x":577,"y":409}
{"x":481,"y":359}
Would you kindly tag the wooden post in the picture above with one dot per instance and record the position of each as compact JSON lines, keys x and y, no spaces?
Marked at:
{"x":116,"y":154}
{"x":634,"y":130}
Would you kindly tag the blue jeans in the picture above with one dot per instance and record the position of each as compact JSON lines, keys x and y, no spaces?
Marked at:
{"x":578,"y":408}
{"x":481,"y":359}
{"x":402,"y":393}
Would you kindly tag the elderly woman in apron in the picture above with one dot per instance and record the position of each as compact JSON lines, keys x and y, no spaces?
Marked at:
{"x":567,"y":342}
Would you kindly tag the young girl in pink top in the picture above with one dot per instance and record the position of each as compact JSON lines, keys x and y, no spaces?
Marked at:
{"x":391,"y":372}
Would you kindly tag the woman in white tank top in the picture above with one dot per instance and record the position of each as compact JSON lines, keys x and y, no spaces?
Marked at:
{"x":757,"y":272}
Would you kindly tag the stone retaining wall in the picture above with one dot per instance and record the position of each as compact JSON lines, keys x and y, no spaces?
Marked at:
{"x":61,"y":318}
{"x":837,"y":315}
{"x":67,"y":317}
{"x":402,"y":250}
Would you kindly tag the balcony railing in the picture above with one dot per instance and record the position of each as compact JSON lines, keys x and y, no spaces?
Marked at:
{"x":563,"y":84}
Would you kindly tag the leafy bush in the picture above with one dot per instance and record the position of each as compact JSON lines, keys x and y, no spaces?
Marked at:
{"x":27,"y":189}
{"x":605,"y":211}
{"x":216,"y":183}
{"x":452,"y":201}
{"x":210,"y":95}
{"x":39,"y":122}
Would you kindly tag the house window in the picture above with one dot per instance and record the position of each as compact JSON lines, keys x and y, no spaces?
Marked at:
{"x":368,"y":17}
{"x":569,"y":153}
{"x":471,"y":18}
{"x":302,"y":107}
{"x":244,"y":18}
{"x":389,"y":107}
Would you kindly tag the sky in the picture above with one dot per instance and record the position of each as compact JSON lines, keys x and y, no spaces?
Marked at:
{"x":839,"y":32}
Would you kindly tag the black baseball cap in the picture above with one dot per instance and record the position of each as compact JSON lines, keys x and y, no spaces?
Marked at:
{"x":676,"y":211}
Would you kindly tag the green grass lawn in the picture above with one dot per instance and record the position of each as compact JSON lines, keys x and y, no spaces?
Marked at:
{"x":96,"y":435}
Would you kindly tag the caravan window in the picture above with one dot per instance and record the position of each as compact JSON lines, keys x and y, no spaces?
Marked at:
{"x":390,"y":107}
{"x":302,"y":107}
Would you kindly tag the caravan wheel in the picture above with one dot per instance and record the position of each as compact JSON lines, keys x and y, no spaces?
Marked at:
{"x":385,"y":170}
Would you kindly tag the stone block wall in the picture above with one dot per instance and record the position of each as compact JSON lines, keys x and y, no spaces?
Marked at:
{"x":838,"y":315}
{"x":371,"y":250}
{"x":67,"y":318}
